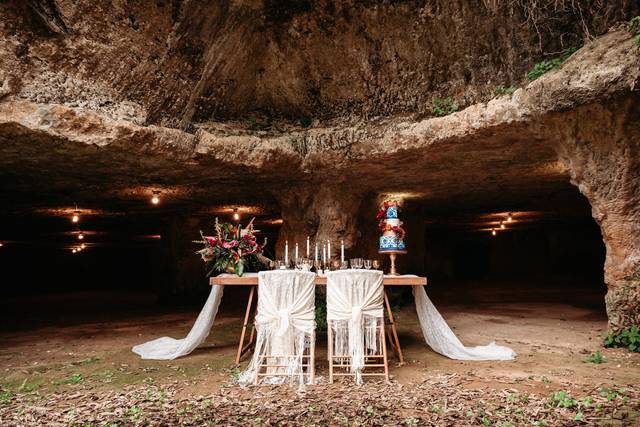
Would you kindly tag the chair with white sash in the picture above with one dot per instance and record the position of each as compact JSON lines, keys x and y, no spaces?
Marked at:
{"x":285,"y":324}
{"x":355,"y":324}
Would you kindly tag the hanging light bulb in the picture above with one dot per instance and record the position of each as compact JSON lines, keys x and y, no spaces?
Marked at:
{"x":509,"y":218}
{"x":82,"y":246}
{"x":493,"y":231}
{"x":80,"y":235}
{"x":502,"y":225}
{"x":79,"y":249}
{"x":236,"y":215}
{"x":76,"y":215}
{"x":74,"y":250}
{"x":1,"y":244}
{"x":156,"y":197}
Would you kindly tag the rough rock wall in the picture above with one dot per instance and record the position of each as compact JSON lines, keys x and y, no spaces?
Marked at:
{"x":601,"y":149}
{"x":177,"y":62}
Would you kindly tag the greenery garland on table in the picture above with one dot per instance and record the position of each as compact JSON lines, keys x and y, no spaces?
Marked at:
{"x":233,"y":249}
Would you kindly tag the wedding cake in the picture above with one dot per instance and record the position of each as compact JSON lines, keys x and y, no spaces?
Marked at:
{"x":392,"y":239}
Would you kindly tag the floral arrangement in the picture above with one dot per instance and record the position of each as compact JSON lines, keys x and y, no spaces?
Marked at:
{"x":382,"y":218}
{"x":232,"y":250}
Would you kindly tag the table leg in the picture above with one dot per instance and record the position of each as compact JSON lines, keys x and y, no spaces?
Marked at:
{"x":394,"y":332}
{"x":244,"y":325}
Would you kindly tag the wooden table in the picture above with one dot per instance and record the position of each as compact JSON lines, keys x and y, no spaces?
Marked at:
{"x":322,"y":281}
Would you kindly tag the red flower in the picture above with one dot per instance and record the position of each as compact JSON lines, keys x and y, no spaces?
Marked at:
{"x":381,"y":214}
{"x":211,"y":240}
{"x":229,"y":245}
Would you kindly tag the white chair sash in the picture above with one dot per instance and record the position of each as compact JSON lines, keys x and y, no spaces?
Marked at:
{"x":352,"y":297}
{"x":285,"y":322}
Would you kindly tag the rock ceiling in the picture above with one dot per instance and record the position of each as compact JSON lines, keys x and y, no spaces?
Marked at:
{"x":223,"y":104}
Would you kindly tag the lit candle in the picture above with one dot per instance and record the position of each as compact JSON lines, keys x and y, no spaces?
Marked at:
{"x":308,"y":252}
{"x":342,"y":251}
{"x":296,"y":258}
{"x":286,"y":252}
{"x":329,"y":249}
{"x":316,"y":255}
{"x":324,"y":254}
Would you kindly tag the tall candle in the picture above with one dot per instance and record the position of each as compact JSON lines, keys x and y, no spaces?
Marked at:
{"x":342,"y":250}
{"x":286,"y":252}
{"x":324,"y":254}
{"x":329,"y":249}
{"x":316,"y":256}
{"x":296,"y":252}
{"x":308,"y":252}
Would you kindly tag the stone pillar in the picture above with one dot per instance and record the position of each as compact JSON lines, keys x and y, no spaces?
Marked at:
{"x":321,"y":212}
{"x":601,"y":149}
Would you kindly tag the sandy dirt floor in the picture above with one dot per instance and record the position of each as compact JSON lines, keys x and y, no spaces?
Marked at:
{"x":69,"y":362}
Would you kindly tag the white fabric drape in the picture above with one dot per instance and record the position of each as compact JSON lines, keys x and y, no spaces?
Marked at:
{"x":355,"y":300}
{"x":285,"y":324}
{"x":441,"y":338}
{"x":167,"y":348}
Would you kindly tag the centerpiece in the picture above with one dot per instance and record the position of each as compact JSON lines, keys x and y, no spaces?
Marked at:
{"x":233,"y":249}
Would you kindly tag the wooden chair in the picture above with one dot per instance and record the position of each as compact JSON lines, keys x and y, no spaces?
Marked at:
{"x":285,"y":325}
{"x":348,"y":291}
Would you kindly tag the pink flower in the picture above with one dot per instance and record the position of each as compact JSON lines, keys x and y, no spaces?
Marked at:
{"x":229,"y":245}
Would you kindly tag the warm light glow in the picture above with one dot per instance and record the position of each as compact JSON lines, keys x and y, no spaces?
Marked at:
{"x":236,"y":215}
{"x":1,"y":244}
{"x":82,"y":246}
{"x":79,"y":249}
{"x":493,"y":232}
{"x":155,"y":200}
{"x":502,"y":225}
{"x":75,"y":218}
{"x":80,"y":236}
{"x":74,"y":251}
{"x":509,"y":219}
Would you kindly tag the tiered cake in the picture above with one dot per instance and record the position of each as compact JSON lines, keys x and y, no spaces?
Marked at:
{"x":392,"y":239}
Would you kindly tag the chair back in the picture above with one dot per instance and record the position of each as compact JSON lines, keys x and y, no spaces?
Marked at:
{"x":352,"y":294}
{"x":286,"y":298}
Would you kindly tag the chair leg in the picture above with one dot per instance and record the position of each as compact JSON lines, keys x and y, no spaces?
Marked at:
{"x":312,"y":359}
{"x":384,"y":353}
{"x":330,"y":350}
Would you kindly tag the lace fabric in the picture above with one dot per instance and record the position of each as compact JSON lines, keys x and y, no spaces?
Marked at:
{"x":167,"y":348}
{"x":441,"y":338}
{"x":354,"y":307}
{"x":285,"y":323}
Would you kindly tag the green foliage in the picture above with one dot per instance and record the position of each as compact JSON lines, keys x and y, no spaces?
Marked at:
{"x":543,"y":67}
{"x":629,"y":338}
{"x":638,"y":39}
{"x":444,"y":107}
{"x":505,"y":90}
{"x":5,"y":396}
{"x":611,"y":394}
{"x":321,"y":313}
{"x":596,"y":358}
{"x":634,"y":25}
{"x":562,"y":399}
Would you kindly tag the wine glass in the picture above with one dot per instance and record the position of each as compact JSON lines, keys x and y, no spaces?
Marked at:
{"x":367,"y":264}
{"x":375,"y":264}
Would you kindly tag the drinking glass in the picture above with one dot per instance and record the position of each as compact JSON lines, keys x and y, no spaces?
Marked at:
{"x":367,"y":264}
{"x":375,"y":264}
{"x":344,"y":265}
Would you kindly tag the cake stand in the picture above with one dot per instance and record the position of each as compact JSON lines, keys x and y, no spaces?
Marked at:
{"x":392,"y":257}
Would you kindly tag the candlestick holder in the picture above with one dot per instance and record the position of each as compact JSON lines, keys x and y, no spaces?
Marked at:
{"x":392,"y":258}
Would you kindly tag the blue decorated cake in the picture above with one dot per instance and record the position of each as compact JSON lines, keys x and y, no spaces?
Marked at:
{"x":392,"y":239}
